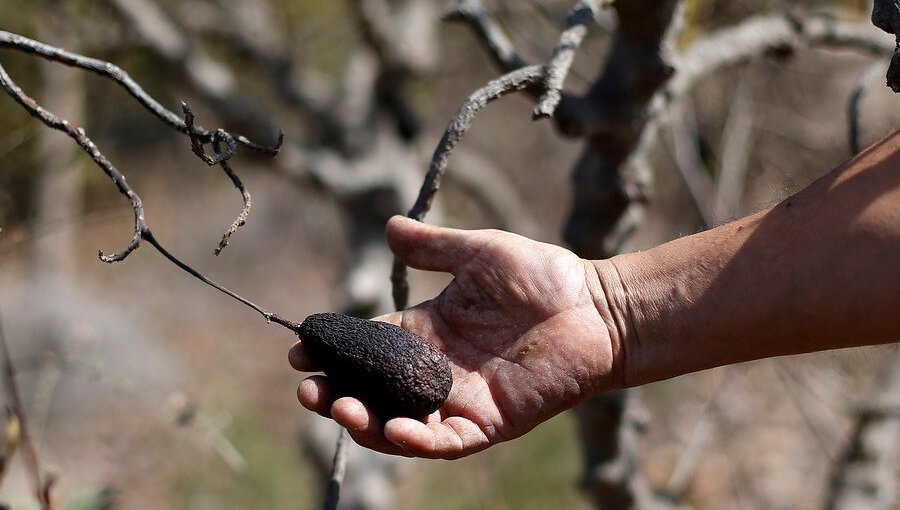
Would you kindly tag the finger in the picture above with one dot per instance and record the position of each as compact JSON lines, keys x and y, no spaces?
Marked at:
{"x":314,"y":395}
{"x":298,"y":359}
{"x":363,"y":426}
{"x":452,"y":438}
{"x":428,"y":247}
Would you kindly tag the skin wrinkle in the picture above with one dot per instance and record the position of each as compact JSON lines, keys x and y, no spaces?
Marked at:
{"x":615,"y":336}
{"x":474,"y":370}
{"x":626,"y":337}
{"x":488,"y":378}
{"x":464,"y":433}
{"x":455,"y":298}
{"x":504,"y":415}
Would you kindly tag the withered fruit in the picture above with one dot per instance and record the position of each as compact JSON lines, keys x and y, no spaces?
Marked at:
{"x":392,"y":371}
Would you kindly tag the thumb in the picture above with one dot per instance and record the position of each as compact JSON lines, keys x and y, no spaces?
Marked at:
{"x":428,"y":247}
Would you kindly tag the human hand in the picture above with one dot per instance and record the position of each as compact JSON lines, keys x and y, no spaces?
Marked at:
{"x":526,"y":327}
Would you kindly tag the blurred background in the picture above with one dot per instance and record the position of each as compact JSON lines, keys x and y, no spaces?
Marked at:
{"x":147,"y":389}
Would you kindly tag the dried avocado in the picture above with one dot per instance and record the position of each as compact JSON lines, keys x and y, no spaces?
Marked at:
{"x":394,"y":372}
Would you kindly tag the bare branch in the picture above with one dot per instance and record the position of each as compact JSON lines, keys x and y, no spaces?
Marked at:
{"x":507,"y":84}
{"x":505,"y":57}
{"x":865,"y":475}
{"x":752,"y":38}
{"x":563,"y":54}
{"x":217,"y":136}
{"x":737,"y":141}
{"x":339,"y":468}
{"x":759,"y":36}
{"x":221,"y":158}
{"x":683,"y":140}
{"x":40,"y":484}
{"x":854,"y":113}
{"x":269,"y":316}
{"x":198,"y":135}
{"x":78,"y":134}
{"x":383,"y":33}
{"x":141,"y":230}
{"x":241,"y":220}
{"x":491,"y":35}
{"x":473,"y":105}
{"x":115,"y":73}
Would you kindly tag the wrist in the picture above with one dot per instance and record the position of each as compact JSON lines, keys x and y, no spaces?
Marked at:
{"x":613,"y":304}
{"x":642,"y":295}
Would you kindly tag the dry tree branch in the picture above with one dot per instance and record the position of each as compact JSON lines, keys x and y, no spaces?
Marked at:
{"x":865,"y":475}
{"x":752,"y":38}
{"x":339,"y":468}
{"x":544,"y":81}
{"x":505,"y":57}
{"x":557,"y":68}
{"x":115,"y":73}
{"x":81,"y":138}
{"x":854,"y":105}
{"x":734,"y":155}
{"x":197,"y":134}
{"x":152,"y":25}
{"x":221,"y":158}
{"x":511,"y":82}
{"x":42,"y":485}
{"x":379,"y":29}
{"x":241,"y":220}
{"x":217,"y":136}
{"x":141,"y":231}
{"x":686,"y":150}
{"x":471,"y":107}
{"x":499,"y":46}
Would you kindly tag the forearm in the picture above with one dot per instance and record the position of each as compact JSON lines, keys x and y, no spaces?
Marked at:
{"x":819,"y":271}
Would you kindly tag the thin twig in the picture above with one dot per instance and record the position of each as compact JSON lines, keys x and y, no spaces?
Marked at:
{"x":197,"y":142}
{"x":81,"y":138}
{"x":115,"y":73}
{"x":503,"y":53}
{"x":221,"y":158}
{"x":40,"y":484}
{"x":507,"y":84}
{"x":269,"y":316}
{"x":339,"y":468}
{"x":141,"y":230}
{"x":241,"y":220}
{"x":853,"y":107}
{"x":499,"y":46}
{"x":737,"y":141}
{"x":563,"y":54}
{"x":704,"y":428}
{"x":543,"y":81}
{"x":865,"y":473}
{"x":688,"y":161}
{"x":752,"y":38}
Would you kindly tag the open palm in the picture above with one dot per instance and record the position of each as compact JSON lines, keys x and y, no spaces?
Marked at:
{"x":524,"y":324}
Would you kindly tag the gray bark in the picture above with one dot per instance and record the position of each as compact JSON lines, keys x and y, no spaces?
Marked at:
{"x":607,"y":206}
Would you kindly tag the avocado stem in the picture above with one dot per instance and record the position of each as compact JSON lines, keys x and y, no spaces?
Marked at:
{"x":147,"y":235}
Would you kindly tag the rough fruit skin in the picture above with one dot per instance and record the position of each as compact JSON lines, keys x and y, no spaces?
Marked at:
{"x":394,"y":372}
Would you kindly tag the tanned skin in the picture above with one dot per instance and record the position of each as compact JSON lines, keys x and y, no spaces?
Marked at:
{"x":532,"y":330}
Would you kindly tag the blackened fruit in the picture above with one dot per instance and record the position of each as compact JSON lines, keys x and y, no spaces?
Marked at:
{"x":392,"y":371}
